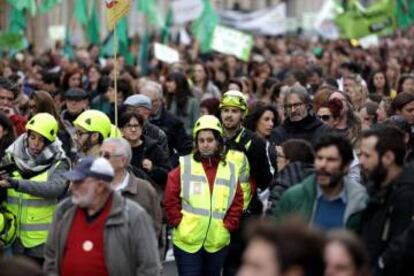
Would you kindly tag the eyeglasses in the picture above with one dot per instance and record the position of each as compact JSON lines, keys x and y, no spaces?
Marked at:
{"x":325,"y":117}
{"x":108,"y":155}
{"x":293,"y":105}
{"x":131,"y":126}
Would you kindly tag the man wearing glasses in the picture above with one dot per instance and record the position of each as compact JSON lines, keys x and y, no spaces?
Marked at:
{"x":300,"y":122}
{"x":8,"y":95}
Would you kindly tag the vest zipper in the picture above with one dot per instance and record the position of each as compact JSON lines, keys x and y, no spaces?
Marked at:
{"x":19,"y":214}
{"x":209,"y":219}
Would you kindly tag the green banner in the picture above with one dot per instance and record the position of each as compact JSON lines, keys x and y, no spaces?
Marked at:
{"x":405,"y":13}
{"x":358,"y":21}
{"x":11,"y":41}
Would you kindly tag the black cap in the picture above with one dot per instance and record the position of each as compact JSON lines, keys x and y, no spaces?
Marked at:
{"x":76,"y":93}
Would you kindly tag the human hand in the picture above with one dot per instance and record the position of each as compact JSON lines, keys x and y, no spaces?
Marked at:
{"x":147,"y":164}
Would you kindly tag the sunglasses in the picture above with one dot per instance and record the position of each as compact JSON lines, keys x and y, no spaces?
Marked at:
{"x":108,"y":155}
{"x":325,"y":118}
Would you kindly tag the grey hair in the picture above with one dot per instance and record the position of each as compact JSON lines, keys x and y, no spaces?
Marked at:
{"x":122,"y":147}
{"x":153,"y":86}
{"x":301,"y":92}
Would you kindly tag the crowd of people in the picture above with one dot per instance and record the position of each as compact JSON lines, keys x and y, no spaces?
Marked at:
{"x":297,"y":162}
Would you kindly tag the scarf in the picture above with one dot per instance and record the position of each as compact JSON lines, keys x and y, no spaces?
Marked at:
{"x":29,"y":164}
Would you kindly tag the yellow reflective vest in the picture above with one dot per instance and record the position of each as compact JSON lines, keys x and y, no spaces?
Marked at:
{"x":243,"y":169}
{"x":33,"y":214}
{"x":203,"y":213}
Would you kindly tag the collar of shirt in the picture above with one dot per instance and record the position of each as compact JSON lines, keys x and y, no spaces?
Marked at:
{"x":123,"y":184}
{"x":341,"y":195}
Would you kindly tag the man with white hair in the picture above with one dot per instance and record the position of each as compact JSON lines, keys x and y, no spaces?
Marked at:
{"x":118,"y":152}
{"x":179,"y":142}
{"x":97,"y":231}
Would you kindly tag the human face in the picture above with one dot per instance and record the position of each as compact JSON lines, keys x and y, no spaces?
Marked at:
{"x":259,"y":259}
{"x":75,"y":81}
{"x":338,"y":262}
{"x":117,"y":160}
{"x":199,"y":73}
{"x":155,"y":99}
{"x":32,"y":108}
{"x":171,"y":86}
{"x":231,"y":117}
{"x":265,"y":124}
{"x":84,"y":192}
{"x":6,"y":98}
{"x":381,"y":112}
{"x":379,"y":80}
{"x":407,"y":112}
{"x":282,"y":161}
{"x":83,"y":139}
{"x":325,"y":115}
{"x":234,"y":86}
{"x":328,"y":166}
{"x":93,"y":75}
{"x":295,"y":108}
{"x":408,"y":86}
{"x":349,"y":84}
{"x":206,"y":142}
{"x":369,"y":160}
{"x":132,"y":130}
{"x":366,"y":120}
{"x":75,"y":105}
{"x":36,"y":143}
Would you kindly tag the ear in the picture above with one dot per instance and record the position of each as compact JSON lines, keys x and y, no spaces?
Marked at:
{"x":95,"y":137}
{"x":388,"y":158}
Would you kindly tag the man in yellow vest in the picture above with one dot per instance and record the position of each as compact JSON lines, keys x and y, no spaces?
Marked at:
{"x":204,"y":202}
{"x":34,"y":162}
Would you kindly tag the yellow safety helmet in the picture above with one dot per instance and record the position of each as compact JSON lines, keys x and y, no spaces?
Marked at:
{"x":234,"y":98}
{"x":207,"y":122}
{"x":7,"y":227}
{"x":115,"y":132}
{"x":44,"y":124}
{"x":94,"y":121}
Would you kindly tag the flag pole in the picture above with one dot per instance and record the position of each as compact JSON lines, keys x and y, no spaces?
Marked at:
{"x":115,"y":78}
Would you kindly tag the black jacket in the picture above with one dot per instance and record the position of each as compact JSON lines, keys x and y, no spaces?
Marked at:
{"x":309,"y":129}
{"x":179,"y":143}
{"x":149,"y":149}
{"x":389,"y":212}
{"x":155,"y":133}
{"x":292,"y":174}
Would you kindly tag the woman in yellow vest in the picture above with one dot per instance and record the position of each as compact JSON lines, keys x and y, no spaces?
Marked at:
{"x":204,"y":202}
{"x":31,"y":172}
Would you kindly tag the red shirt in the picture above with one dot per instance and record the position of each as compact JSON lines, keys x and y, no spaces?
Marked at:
{"x":84,"y":252}
{"x":172,"y":200}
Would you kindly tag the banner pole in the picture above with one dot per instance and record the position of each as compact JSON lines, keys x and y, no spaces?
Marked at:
{"x":115,"y":48}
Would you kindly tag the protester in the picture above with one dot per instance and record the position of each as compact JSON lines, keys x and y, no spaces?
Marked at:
{"x":262,"y":119}
{"x":7,"y":135}
{"x":8,"y":94}
{"x":32,"y":168}
{"x":327,"y":198}
{"x":203,"y":213}
{"x":96,"y":231}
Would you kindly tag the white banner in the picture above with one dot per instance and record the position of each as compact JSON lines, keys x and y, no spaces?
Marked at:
{"x":231,"y":42}
{"x":269,"y":21}
{"x":165,"y":53}
{"x":186,"y":10}
{"x":324,"y":23}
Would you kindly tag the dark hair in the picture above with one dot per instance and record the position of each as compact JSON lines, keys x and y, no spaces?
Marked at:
{"x":9,"y":86}
{"x":389,"y":138}
{"x":375,"y":98}
{"x":182,"y":93}
{"x":128,"y":115}
{"x":293,"y":243}
{"x":237,"y":82}
{"x":340,"y":142}
{"x":212,"y":105}
{"x":68,"y":74}
{"x":371,"y":86}
{"x":315,"y":69}
{"x":354,"y":247}
{"x":298,"y":150}
{"x":45,"y":104}
{"x":206,"y":72}
{"x":123,"y":86}
{"x":8,"y":138}
{"x":401,"y":100}
{"x":401,"y":81}
{"x":256,"y":112}
{"x":334,"y":105}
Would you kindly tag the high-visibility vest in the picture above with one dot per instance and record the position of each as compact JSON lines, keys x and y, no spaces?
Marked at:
{"x":203,"y":212}
{"x":243,"y":168}
{"x":33,"y":214}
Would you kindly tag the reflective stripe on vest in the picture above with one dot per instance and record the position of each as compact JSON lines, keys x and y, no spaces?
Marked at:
{"x":203,"y":212}
{"x":33,"y":214}
{"x":243,"y":167}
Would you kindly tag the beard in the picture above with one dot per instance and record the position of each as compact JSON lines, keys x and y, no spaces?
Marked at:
{"x":335,"y":179}
{"x":377,"y":175}
{"x":84,"y":200}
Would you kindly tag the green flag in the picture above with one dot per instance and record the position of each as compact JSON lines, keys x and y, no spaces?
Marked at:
{"x":123,"y":42}
{"x":30,"y":5}
{"x":357,"y":21}
{"x":165,"y":32}
{"x":17,"y":21}
{"x":67,"y":46}
{"x":81,"y":12}
{"x":92,"y":28}
{"x":144,"y":53}
{"x":151,"y":12}
{"x":11,"y":41}
{"x":203,"y":27}
{"x":47,"y":5}
{"x":404,"y":13}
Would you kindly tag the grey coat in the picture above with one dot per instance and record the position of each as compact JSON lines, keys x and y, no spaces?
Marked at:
{"x":129,"y":239}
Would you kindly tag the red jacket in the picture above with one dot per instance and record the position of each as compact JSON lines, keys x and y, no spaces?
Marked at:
{"x":19,"y":123}
{"x":172,"y":200}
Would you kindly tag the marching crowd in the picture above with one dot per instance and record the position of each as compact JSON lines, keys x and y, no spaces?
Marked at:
{"x":297,"y":162}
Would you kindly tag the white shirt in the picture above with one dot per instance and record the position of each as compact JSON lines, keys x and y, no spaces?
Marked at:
{"x":123,"y":184}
